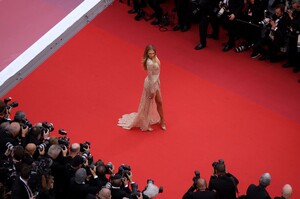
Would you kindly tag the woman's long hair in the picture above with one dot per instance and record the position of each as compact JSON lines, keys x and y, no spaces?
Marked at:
{"x":145,"y":56}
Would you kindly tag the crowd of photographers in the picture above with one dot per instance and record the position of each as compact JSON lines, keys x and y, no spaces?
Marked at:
{"x":224,"y":185}
{"x":35,"y":165}
{"x":269,"y":28}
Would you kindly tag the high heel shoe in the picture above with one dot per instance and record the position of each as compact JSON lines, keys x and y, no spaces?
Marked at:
{"x":163,"y":127}
{"x":150,"y":129}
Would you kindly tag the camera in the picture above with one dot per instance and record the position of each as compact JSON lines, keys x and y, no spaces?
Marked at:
{"x":223,"y":8}
{"x":63,"y":141}
{"x":108,"y":166}
{"x":25,"y":123}
{"x":84,"y":146}
{"x":47,"y":126}
{"x":267,"y":18}
{"x":12,"y":105}
{"x":243,"y":47}
{"x":9,"y":146}
{"x":43,"y":145}
{"x":124,"y":170}
{"x":196,"y":178}
{"x":135,"y":192}
{"x":194,"y":7}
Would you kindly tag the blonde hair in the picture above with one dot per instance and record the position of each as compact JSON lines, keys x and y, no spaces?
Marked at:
{"x":145,"y":56}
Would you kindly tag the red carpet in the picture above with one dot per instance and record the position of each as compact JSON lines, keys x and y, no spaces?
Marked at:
{"x":217,"y":105}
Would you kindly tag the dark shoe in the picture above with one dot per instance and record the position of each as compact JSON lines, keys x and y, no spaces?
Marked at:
{"x":185,"y":28}
{"x":254,"y":54}
{"x":212,"y":36}
{"x":287,"y":65}
{"x":262,"y":58}
{"x":200,"y":46}
{"x":296,"y":69}
{"x":156,"y":22}
{"x":132,"y":11}
{"x":227,"y":47}
{"x":140,"y":15}
{"x":177,"y":27}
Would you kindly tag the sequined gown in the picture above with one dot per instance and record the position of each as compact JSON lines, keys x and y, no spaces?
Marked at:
{"x":147,"y":112}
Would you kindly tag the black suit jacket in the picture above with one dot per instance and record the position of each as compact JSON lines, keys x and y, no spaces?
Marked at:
{"x":190,"y":194}
{"x":257,"y":192}
{"x":18,"y":190}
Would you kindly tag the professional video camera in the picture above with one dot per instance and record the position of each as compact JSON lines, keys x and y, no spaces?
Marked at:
{"x":124,"y":170}
{"x":63,"y":141}
{"x":151,"y":189}
{"x":196,"y":178}
{"x":223,"y":8}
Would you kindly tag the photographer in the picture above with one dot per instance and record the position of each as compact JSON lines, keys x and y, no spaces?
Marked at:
{"x":250,"y":24}
{"x":204,"y":8}
{"x":274,"y":39}
{"x":260,"y":192}
{"x":199,"y":191}
{"x":58,"y":155}
{"x":225,"y":184}
{"x":228,"y":11}
{"x":9,"y":135}
{"x":293,"y":36}
{"x":80,"y":188}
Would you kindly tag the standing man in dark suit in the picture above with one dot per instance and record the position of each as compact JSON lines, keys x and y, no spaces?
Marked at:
{"x":184,"y":22}
{"x":20,"y":188}
{"x":201,"y":191}
{"x":228,"y":11}
{"x":205,"y":11}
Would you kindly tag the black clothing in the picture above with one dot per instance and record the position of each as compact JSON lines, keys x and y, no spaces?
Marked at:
{"x":225,"y":186}
{"x":257,"y":192}
{"x":5,"y":137}
{"x":293,"y":53}
{"x":253,"y":15}
{"x":190,"y":194}
{"x":158,"y":11}
{"x":118,"y":193}
{"x":182,"y":7}
{"x":20,"y":190}
{"x":274,"y":44}
{"x":80,"y":191}
{"x":205,"y":10}
{"x":234,"y":7}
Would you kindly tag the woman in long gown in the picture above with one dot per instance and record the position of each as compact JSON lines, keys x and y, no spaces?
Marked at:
{"x":150,"y":110}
